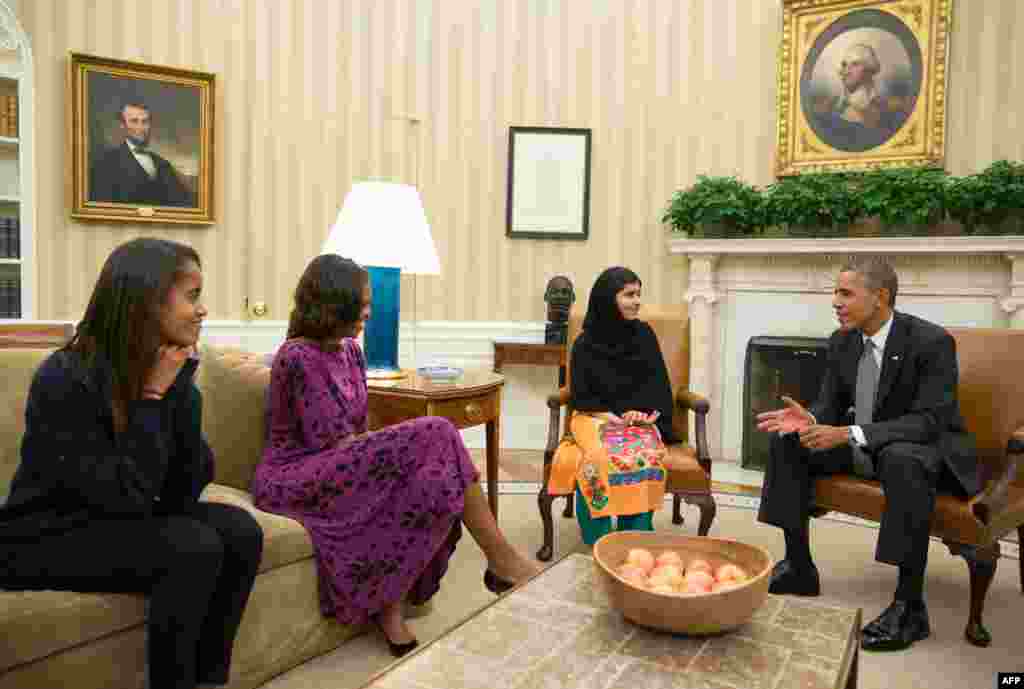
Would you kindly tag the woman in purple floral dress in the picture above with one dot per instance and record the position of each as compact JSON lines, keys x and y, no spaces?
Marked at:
{"x":383,"y":509}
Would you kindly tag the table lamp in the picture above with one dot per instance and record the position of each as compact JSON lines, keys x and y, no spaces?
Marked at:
{"x":382,"y":226}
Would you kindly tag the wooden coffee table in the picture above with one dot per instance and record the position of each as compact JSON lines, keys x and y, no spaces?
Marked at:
{"x":558,"y":631}
{"x":471,"y":400}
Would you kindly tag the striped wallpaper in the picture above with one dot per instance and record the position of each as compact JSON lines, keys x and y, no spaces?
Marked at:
{"x":315,"y":94}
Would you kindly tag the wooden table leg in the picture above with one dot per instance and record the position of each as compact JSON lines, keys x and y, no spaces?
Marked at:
{"x":492,"y":431}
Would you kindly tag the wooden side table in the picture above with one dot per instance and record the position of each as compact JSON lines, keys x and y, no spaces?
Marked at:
{"x":507,"y":352}
{"x":471,"y":400}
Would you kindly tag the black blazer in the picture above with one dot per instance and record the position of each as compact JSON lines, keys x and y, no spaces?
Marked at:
{"x":917,"y":394}
{"x":117,"y":176}
{"x":73,"y":468}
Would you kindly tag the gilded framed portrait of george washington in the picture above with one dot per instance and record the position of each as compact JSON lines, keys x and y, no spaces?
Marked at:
{"x":142,"y":141}
{"x":862,"y":84}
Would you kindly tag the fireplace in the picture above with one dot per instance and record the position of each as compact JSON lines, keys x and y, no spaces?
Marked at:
{"x":776,"y":366}
{"x":741,"y":289}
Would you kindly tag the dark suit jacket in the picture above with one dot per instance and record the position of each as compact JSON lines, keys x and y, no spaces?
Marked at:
{"x":73,"y":468}
{"x":117,"y":176}
{"x":917,"y":394}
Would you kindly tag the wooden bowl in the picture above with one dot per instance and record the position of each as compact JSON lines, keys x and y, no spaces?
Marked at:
{"x":704,"y":613}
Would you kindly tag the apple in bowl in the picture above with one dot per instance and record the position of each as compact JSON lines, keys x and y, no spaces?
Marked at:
{"x":719,"y":586}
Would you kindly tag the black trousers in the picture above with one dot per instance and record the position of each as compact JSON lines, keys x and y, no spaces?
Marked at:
{"x":197,"y":569}
{"x":909,"y":474}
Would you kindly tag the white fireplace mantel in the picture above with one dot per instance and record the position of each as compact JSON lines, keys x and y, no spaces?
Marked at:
{"x":743,"y":288}
{"x":849,"y":245}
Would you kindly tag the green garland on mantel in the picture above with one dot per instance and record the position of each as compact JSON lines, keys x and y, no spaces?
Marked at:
{"x":891,"y":202}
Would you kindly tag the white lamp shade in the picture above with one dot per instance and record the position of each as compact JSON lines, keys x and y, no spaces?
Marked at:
{"x":383,"y":224}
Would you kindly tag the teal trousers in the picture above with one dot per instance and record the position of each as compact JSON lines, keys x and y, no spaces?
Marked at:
{"x":592,"y":529}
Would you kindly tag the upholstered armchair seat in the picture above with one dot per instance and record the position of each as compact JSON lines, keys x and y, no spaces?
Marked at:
{"x":685,"y":472}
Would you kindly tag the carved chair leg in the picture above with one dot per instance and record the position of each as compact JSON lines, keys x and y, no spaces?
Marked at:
{"x":569,"y":500}
{"x":1020,"y":560}
{"x":544,"y":500}
{"x":708,"y":508}
{"x":677,"y":515}
{"x":981,"y":563}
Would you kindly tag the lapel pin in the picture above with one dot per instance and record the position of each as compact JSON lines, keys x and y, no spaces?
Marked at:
{"x":895,"y":357}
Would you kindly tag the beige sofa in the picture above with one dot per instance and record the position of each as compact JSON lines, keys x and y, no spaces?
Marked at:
{"x":86,"y":641}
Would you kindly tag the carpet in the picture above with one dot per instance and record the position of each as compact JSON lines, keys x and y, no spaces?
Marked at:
{"x":843,"y":551}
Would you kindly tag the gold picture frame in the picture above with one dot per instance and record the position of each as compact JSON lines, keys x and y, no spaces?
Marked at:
{"x":142,"y":142}
{"x":862,"y":84}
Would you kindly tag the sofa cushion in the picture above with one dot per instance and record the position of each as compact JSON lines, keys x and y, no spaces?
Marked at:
{"x":18,"y":365}
{"x":284,"y":540}
{"x":39,"y":623}
{"x":36,"y":624}
{"x":234,"y":384}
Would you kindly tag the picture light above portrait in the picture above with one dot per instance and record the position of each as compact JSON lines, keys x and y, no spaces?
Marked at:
{"x":383,"y":227}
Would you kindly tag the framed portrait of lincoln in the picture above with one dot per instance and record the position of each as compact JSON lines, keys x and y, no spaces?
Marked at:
{"x":862,"y":84}
{"x":142,"y":142}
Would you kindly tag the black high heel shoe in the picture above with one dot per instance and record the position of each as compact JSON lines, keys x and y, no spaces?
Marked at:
{"x":496,"y":584}
{"x":397,"y":650}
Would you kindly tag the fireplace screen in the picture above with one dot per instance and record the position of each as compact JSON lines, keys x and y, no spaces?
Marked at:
{"x":776,"y":366}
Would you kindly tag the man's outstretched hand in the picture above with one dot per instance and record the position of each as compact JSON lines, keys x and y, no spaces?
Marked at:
{"x":791,"y":418}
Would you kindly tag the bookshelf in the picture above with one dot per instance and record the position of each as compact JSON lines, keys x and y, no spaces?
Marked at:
{"x":16,"y":170}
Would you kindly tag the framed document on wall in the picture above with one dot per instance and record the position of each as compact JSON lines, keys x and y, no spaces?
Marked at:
{"x":862,"y":84}
{"x":142,"y":140}
{"x":548,"y":183}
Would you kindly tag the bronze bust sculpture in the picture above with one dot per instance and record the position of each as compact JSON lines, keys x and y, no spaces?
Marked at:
{"x":559,"y":296}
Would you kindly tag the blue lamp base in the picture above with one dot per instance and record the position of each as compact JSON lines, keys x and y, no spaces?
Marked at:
{"x":380,"y":339}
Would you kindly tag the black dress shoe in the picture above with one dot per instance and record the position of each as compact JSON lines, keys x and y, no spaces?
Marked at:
{"x":900,"y":625}
{"x":788,"y":579}
{"x":496,"y":584}
{"x":397,"y":649}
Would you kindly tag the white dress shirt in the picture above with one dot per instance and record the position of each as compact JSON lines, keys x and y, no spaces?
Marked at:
{"x":145,"y":160}
{"x":879,"y":339}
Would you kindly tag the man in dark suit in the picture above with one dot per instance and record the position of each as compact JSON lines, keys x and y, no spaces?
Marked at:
{"x":887,"y":411}
{"x":132,"y":173}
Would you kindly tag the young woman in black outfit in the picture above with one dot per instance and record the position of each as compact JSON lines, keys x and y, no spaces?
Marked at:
{"x":113,"y":460}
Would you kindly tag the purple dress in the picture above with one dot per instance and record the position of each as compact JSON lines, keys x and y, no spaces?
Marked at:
{"x":382,"y":509}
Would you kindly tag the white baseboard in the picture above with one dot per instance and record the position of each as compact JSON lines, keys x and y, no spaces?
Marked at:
{"x":455,"y":343}
{"x":467,"y":344}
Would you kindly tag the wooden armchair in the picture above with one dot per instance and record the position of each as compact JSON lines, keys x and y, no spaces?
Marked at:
{"x":992,"y":404}
{"x":689,"y":477}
